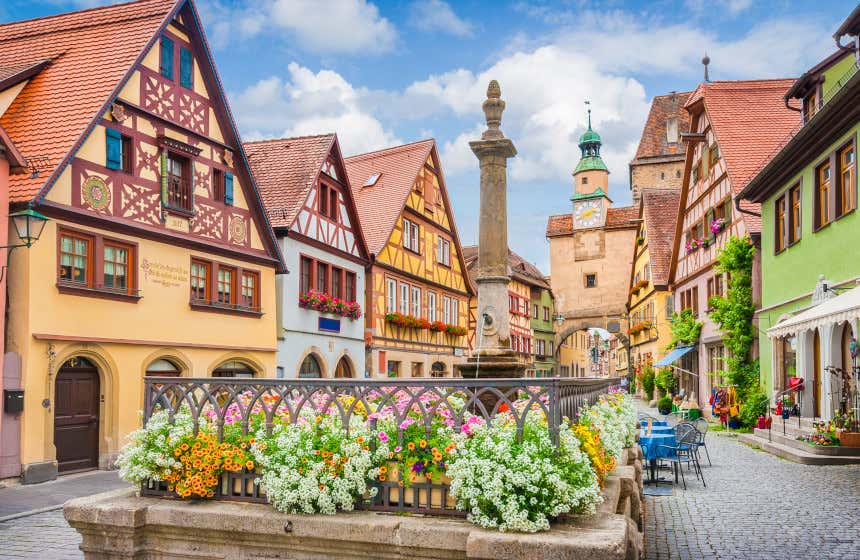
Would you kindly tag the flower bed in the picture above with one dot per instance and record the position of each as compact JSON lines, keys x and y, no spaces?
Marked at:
{"x":325,"y":303}
{"x":324,"y":454}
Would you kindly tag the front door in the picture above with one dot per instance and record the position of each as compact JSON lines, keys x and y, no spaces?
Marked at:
{"x":76,"y":416}
{"x":816,"y":373}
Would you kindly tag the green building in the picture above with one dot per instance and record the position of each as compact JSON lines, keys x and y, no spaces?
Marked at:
{"x":543,"y":310}
{"x":810,"y":254}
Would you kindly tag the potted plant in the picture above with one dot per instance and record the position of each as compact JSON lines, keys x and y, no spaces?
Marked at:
{"x":664,"y":405}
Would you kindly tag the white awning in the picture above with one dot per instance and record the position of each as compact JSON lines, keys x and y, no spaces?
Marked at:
{"x":844,"y":307}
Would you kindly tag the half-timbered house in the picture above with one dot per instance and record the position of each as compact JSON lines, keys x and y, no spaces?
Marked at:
{"x":305,"y":189}
{"x":734,"y":127}
{"x":157,"y":258}
{"x":417,"y":289}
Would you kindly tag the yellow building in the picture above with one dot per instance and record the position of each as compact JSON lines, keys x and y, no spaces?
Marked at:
{"x":650,"y":301}
{"x":573,"y":355}
{"x":157,"y":259}
{"x":416,"y":316}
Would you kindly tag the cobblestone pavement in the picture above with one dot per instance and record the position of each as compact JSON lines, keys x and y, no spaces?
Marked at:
{"x":44,"y":536}
{"x":757,"y":506}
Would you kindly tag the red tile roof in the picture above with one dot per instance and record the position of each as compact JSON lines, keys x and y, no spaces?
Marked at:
{"x":653,"y":142}
{"x":620,"y":217}
{"x":91,"y":51}
{"x":750,"y":120}
{"x":518,"y":268}
{"x":285,"y":170}
{"x":660,"y":211}
{"x":380,"y":205}
{"x":561,"y":224}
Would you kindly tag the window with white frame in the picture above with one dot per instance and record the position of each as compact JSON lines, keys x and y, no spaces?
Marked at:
{"x":404,"y":298}
{"x":443,"y":251}
{"x":416,"y":301}
{"x":390,"y":295}
{"x":431,"y":306}
{"x":455,"y":311}
{"x":446,"y":310}
{"x":410,"y":236}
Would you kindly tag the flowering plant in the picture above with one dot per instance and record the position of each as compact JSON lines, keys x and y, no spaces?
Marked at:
{"x":692,"y":245}
{"x":438,"y":326}
{"x":592,"y":445}
{"x":718,"y":225}
{"x":455,"y":330}
{"x":324,"y":303}
{"x":614,"y":416}
{"x":407,"y":321}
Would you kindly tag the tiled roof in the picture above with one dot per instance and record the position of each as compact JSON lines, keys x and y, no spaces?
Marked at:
{"x":749,"y":119}
{"x":653,"y":142}
{"x":660,"y":211}
{"x":518,"y":268}
{"x":616,"y":217}
{"x":285,"y":170}
{"x":90,"y":52}
{"x":380,"y":205}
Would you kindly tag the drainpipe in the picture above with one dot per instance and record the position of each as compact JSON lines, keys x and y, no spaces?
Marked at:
{"x":742,"y":211}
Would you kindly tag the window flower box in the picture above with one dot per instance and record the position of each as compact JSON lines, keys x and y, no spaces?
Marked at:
{"x":718,"y":225}
{"x":324,"y":303}
{"x":406,"y":321}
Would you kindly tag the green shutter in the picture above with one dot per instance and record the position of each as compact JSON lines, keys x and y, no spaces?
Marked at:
{"x":228,"y":188}
{"x":709,"y":219}
{"x":114,"y":149}
{"x":728,"y":217}
{"x":186,"y":65}
{"x":167,"y":58}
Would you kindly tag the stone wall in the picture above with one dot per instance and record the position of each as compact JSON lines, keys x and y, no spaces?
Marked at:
{"x":122,"y":525}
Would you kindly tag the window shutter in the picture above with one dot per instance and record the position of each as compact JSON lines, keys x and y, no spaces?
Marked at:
{"x":710,"y":215}
{"x":164,"y":178}
{"x":114,"y":149}
{"x":228,"y":188}
{"x":186,"y":65}
{"x":167,"y":58}
{"x":728,"y":211}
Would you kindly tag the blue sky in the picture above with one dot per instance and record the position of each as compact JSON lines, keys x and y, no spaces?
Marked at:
{"x":381,"y":73}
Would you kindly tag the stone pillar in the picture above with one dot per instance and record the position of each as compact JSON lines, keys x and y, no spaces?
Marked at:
{"x":493,"y":151}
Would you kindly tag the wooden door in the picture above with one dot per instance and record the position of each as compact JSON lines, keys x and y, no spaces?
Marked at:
{"x":76,"y":416}
{"x":816,"y":373}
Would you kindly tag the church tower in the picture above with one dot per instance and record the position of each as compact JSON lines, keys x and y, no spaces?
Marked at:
{"x":590,"y":183}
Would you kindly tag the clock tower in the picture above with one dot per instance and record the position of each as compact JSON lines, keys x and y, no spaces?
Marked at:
{"x":590,"y":183}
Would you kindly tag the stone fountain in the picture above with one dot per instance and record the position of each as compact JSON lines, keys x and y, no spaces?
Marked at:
{"x":493,"y":357}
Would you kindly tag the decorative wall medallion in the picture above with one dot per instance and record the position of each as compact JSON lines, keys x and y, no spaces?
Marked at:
{"x":95,"y":193}
{"x":118,"y":113}
{"x":227,"y":158}
{"x":238,"y":230}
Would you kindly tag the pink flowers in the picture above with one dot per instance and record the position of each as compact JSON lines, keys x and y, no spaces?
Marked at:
{"x":718,"y":225}
{"x":325,"y":303}
{"x":383,"y":437}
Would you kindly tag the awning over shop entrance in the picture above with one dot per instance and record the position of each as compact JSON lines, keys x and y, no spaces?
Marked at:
{"x":674,"y":356}
{"x":844,"y":307}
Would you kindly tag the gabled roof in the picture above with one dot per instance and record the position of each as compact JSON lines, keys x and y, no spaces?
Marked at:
{"x":286,"y":169}
{"x":617,"y":217}
{"x":659,"y":210}
{"x":518,"y":268}
{"x":91,"y":52}
{"x":812,"y":76}
{"x":654,"y":142}
{"x":750,"y":121}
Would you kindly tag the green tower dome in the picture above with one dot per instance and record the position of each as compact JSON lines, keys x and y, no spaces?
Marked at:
{"x":589,"y":145}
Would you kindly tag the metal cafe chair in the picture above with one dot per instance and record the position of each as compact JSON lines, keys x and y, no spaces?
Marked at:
{"x":701,"y":426}
{"x":684,"y":452}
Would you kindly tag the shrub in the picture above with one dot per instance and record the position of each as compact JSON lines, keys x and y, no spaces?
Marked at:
{"x":648,"y":382}
{"x":753,"y":407}
{"x":664,"y":405}
{"x":665,"y":380}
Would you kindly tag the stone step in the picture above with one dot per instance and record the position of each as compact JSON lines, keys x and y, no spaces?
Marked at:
{"x":805,"y":422}
{"x":797,"y":455}
{"x":791,"y":430}
{"x":791,"y":441}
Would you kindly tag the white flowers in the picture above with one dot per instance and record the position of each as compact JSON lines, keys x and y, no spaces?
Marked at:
{"x":145,"y":457}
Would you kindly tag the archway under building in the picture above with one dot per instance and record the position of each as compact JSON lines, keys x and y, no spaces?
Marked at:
{"x":572,"y":324}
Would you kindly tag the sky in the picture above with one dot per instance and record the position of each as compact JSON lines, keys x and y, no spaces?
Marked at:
{"x":381,"y":73}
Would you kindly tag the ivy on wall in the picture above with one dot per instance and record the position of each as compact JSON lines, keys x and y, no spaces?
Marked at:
{"x":685,"y":329}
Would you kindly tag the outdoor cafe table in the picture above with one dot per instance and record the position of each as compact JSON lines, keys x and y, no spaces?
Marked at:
{"x":644,"y":423}
{"x":653,"y":449}
{"x":659,"y":430}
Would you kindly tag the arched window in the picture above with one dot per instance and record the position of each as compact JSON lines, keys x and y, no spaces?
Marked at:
{"x":310,"y":367}
{"x":437,"y":369}
{"x":233,"y":368}
{"x":163,"y":367}
{"x":344,"y":368}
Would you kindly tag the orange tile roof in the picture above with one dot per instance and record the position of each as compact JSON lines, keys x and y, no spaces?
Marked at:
{"x":653,"y":142}
{"x":660,"y":211}
{"x":750,"y":120}
{"x":91,"y":51}
{"x":518,"y":268}
{"x":561,"y":224}
{"x":380,"y":205}
{"x":285,"y":170}
{"x":620,"y":217}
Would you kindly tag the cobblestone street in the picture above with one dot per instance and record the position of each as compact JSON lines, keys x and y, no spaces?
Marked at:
{"x":757,"y":506}
{"x":44,"y":536}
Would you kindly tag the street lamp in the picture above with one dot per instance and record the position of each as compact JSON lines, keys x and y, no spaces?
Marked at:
{"x":28,"y":226}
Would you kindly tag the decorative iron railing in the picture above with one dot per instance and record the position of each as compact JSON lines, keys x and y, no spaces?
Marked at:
{"x":265,"y":402}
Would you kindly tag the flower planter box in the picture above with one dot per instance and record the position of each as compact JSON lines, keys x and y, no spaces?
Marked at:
{"x":849,"y":439}
{"x":428,"y":493}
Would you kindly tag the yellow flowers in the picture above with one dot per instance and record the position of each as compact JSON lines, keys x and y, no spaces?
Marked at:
{"x":591,"y":443}
{"x":203,"y":460}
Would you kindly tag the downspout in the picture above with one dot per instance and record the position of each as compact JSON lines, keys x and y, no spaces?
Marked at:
{"x":742,"y":211}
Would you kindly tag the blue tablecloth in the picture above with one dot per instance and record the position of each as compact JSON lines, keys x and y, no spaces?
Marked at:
{"x":659,"y":429}
{"x":652,"y":446}
{"x":655,"y":423}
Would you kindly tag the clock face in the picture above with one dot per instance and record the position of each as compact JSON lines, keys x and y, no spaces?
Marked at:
{"x":588,"y":213}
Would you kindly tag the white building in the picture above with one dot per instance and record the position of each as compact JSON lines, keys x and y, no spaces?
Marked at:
{"x":306,"y":193}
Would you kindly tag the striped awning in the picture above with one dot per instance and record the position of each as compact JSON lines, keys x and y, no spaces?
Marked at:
{"x":844,"y":307}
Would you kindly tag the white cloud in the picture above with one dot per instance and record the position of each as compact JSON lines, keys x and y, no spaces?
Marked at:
{"x":437,"y":16}
{"x":731,"y":7}
{"x":310,"y":103}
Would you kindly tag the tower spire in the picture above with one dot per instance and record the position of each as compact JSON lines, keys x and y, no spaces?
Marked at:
{"x":588,"y":106}
{"x":705,"y":61}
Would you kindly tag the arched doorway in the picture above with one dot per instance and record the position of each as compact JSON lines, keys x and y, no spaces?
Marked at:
{"x":437,"y":369}
{"x":846,"y":380}
{"x":76,"y":415}
{"x":344,"y":368}
{"x":816,"y":374}
{"x":233,"y":368}
{"x":162,"y":367}
{"x":310,"y":368}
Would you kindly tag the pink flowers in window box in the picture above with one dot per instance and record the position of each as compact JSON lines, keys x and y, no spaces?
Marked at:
{"x":324,"y":303}
{"x":718,"y":225}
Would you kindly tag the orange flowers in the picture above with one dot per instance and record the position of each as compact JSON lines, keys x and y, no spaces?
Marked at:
{"x":203,"y":462}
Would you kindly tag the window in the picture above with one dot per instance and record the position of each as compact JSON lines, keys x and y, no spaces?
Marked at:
{"x":694,"y":175}
{"x":794,"y":222}
{"x":535,"y":311}
{"x":585,"y":180}
{"x":810,"y":105}
{"x":310,"y":368}
{"x":715,"y":287}
{"x":200,"y":274}
{"x":336,"y":282}
{"x":417,"y":369}
{"x":443,"y":250}
{"x":780,"y":225}
{"x":166,"y":63}
{"x":250,"y":283}
{"x":590,"y":280}
{"x":551,"y":347}
{"x":217,"y":185}
{"x":225,"y":293}
{"x":186,"y":68}
{"x":410,"y":236}
{"x":431,"y":306}
{"x":75,"y":258}
{"x":690,"y":300}
{"x":404,"y":298}
{"x":306,"y":275}
{"x":822,"y":195}
{"x":546,"y":313}
{"x":846,"y":199}
{"x":118,"y":151}
{"x":350,"y":286}
{"x":127,"y":160}
{"x":393,"y":369}
{"x":672,"y":130}
{"x":455,"y":311}
{"x":713,"y":154}
{"x":117,"y":274}
{"x":446,"y":310}
{"x":163,"y":367}
{"x":322,"y":204}
{"x":179,"y":194}
{"x":390,"y":295}
{"x":322,"y":277}
{"x":328,"y":201}
{"x":416,"y":301}
{"x":233,"y":368}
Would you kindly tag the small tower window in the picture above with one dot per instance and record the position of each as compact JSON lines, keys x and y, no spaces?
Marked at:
{"x":585,"y":180}
{"x":662,"y":175}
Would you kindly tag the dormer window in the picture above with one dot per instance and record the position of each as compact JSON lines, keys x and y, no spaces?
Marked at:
{"x":810,"y":105}
{"x":672,"y":130}
{"x":372,"y":180}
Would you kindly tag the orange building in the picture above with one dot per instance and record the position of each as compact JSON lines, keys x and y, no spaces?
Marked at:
{"x":417,"y":288}
{"x":158,"y":258}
